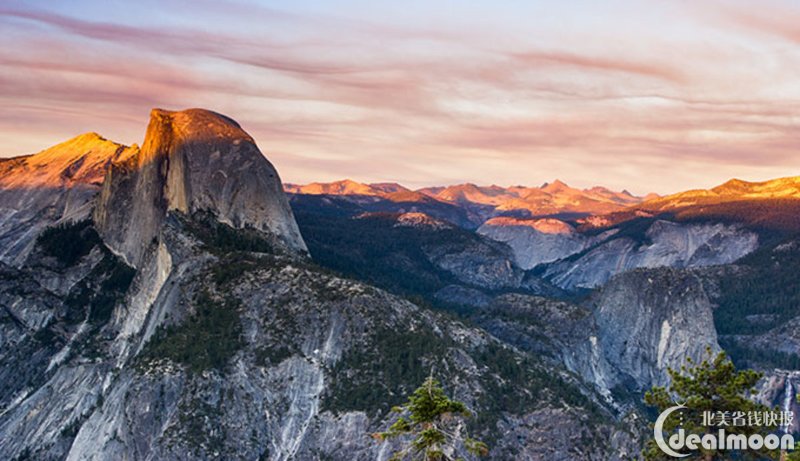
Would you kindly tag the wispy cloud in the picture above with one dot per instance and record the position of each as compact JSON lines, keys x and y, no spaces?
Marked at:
{"x":601,"y":64}
{"x":781,"y":20}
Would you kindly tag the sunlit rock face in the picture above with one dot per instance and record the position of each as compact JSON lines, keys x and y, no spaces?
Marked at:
{"x":421,"y":221}
{"x":732,"y":191}
{"x":343,"y":187}
{"x":470,"y":205}
{"x":55,"y":185}
{"x":192,"y":161}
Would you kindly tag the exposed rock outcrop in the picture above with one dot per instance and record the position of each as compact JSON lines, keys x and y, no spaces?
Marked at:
{"x":663,"y":244}
{"x":192,"y":161}
{"x":575,"y":260}
{"x":779,"y":388}
{"x":538,"y":241}
{"x":622,"y":339}
{"x":481,"y":263}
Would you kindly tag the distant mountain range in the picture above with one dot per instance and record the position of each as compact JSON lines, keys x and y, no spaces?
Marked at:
{"x":579,"y":239}
{"x":549,"y":199}
{"x":556,"y":198}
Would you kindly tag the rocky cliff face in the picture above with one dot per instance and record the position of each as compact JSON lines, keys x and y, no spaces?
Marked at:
{"x":649,"y":320}
{"x":478,"y":262}
{"x":56,"y":185}
{"x":623,"y":338}
{"x":538,"y":241}
{"x":779,"y":389}
{"x":225,"y":341}
{"x":192,"y":161}
{"x":662,"y":244}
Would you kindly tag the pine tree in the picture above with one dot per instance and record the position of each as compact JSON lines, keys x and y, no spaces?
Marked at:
{"x":714,"y":385}
{"x":432,"y":426}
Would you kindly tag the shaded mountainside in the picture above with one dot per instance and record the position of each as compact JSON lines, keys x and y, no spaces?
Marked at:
{"x":539,"y":241}
{"x":691,"y":229}
{"x":559,"y":253}
{"x":621,"y":339}
{"x":757,"y":307}
{"x":413,"y":254}
{"x":353,"y":205}
{"x":651,"y":243}
{"x":63,"y":295}
{"x":576,"y":252}
{"x":769,"y":208}
{"x":772,"y":219}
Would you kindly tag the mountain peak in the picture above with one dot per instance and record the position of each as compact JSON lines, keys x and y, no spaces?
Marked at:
{"x":190,"y":127}
{"x":734,"y":186}
{"x":199,"y":121}
{"x":80,"y":160}
{"x":192,"y":161}
{"x":780,"y":187}
{"x":389,"y":187}
{"x":55,"y":185}
{"x":341,"y":187}
{"x":88,"y":137}
{"x":555,"y":186}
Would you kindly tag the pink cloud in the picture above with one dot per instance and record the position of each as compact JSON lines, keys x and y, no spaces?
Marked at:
{"x":779,"y":21}
{"x":600,"y":64}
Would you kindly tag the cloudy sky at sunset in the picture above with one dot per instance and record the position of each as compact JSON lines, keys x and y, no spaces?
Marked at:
{"x":645,"y":95}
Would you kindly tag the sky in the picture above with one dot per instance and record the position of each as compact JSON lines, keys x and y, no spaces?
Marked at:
{"x":644,"y":95}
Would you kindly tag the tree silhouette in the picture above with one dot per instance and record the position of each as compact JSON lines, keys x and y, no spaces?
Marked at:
{"x":432,"y":427}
